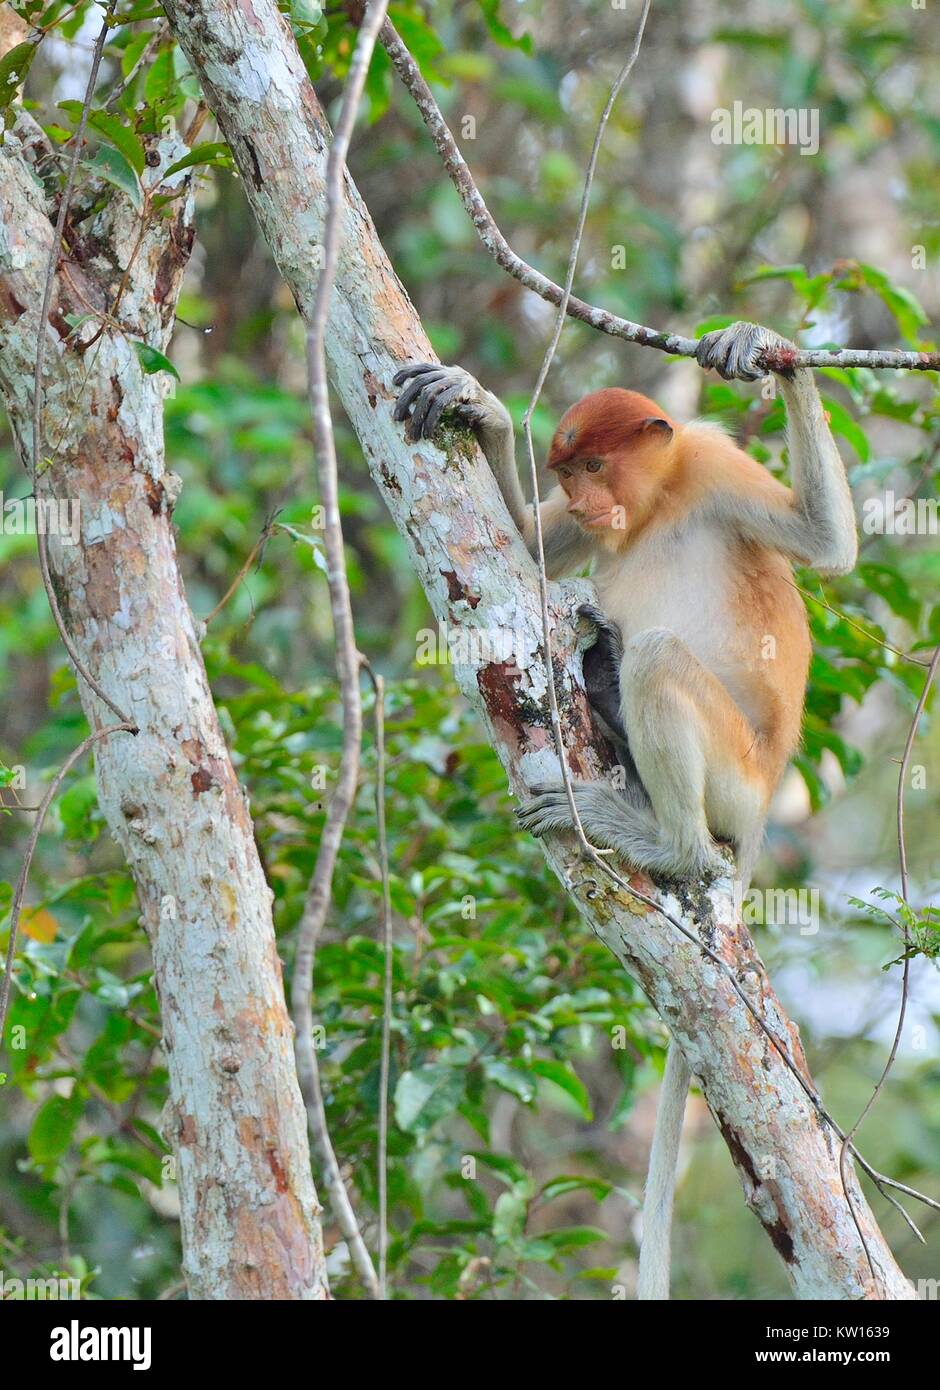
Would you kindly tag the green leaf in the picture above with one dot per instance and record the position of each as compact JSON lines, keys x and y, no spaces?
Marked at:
{"x":151,"y":360}
{"x":306,"y":14}
{"x":843,"y":423}
{"x":563,"y":1075}
{"x":13,"y":69}
{"x":574,"y":1237}
{"x":558,"y":1187}
{"x":112,"y":129}
{"x":509,"y":1078}
{"x":210,"y":153}
{"x":110,"y":164}
{"x":53,"y":1128}
{"x":888,"y":584}
{"x":907,"y":310}
{"x":424,"y":1097}
{"x":499,"y":31}
{"x":509,"y":1215}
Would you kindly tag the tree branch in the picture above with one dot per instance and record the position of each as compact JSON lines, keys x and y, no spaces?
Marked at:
{"x":501,"y":251}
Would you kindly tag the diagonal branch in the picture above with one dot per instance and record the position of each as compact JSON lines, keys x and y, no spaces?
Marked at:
{"x":601,"y":319}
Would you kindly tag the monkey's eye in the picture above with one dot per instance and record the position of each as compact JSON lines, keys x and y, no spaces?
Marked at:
{"x":564,"y":472}
{"x":593,"y":465}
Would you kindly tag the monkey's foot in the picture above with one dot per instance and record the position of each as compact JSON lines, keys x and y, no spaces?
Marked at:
{"x":434,"y":389}
{"x":735,"y":351}
{"x":632,"y":832}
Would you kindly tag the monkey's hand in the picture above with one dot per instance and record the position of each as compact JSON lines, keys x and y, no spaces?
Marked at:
{"x":735,"y":351}
{"x":434,"y":389}
{"x":605,"y":632}
{"x":601,"y":666}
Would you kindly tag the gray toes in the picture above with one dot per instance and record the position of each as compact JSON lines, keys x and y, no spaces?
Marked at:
{"x":419,"y":384}
{"x":546,"y":810}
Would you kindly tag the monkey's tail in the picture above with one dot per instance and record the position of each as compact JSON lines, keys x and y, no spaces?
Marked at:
{"x":655,"y":1250}
{"x":653,"y":1280}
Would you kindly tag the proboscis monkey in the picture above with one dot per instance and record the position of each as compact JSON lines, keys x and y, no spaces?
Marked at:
{"x":699,"y":671}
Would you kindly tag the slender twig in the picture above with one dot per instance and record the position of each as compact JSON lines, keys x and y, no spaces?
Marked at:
{"x":837,"y":612}
{"x":499,"y":248}
{"x":20,"y":889}
{"x":347,"y":657}
{"x":547,"y":361}
{"x":378,"y":683}
{"x":193,"y":130}
{"x":255,"y":550}
{"x":906,"y":969}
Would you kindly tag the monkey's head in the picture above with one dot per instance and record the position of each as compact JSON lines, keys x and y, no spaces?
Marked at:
{"x":613,"y":452}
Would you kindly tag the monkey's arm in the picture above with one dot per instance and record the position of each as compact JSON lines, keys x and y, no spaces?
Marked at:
{"x":815,"y":522}
{"x":434,"y":389}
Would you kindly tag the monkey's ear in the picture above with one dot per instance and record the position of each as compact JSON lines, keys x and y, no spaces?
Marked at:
{"x":655,"y":424}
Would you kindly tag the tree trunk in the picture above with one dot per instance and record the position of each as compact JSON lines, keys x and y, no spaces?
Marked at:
{"x":249,"y":1211}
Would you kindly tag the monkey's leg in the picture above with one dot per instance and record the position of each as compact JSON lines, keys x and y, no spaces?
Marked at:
{"x":697,"y":754}
{"x":698,"y":759}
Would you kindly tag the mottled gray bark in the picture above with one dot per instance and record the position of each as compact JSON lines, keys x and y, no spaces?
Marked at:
{"x":249,"y":1212}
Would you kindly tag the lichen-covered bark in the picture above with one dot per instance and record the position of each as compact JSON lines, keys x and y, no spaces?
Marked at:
{"x":479,"y":577}
{"x":249,"y":1212}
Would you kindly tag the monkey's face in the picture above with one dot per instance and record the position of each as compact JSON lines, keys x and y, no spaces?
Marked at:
{"x":588,"y":485}
{"x":612,"y":453}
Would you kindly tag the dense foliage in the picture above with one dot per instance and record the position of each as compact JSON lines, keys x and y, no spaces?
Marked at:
{"x":522,"y":1055}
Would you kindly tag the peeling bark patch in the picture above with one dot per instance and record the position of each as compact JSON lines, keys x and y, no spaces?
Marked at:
{"x":374,"y":388}
{"x":248,"y":10}
{"x":102,"y":590}
{"x":277,"y":1169}
{"x":512,"y":713}
{"x":193,"y":749}
{"x":742,"y":1159}
{"x":202,"y":780}
{"x":59,"y":323}
{"x":172,"y":261}
{"x":457,"y":591}
{"x":256,"y":177}
{"x":10,"y":306}
{"x":155,"y":494}
{"x":413,"y":527}
{"x":389,"y":479}
{"x":783,"y":1241}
